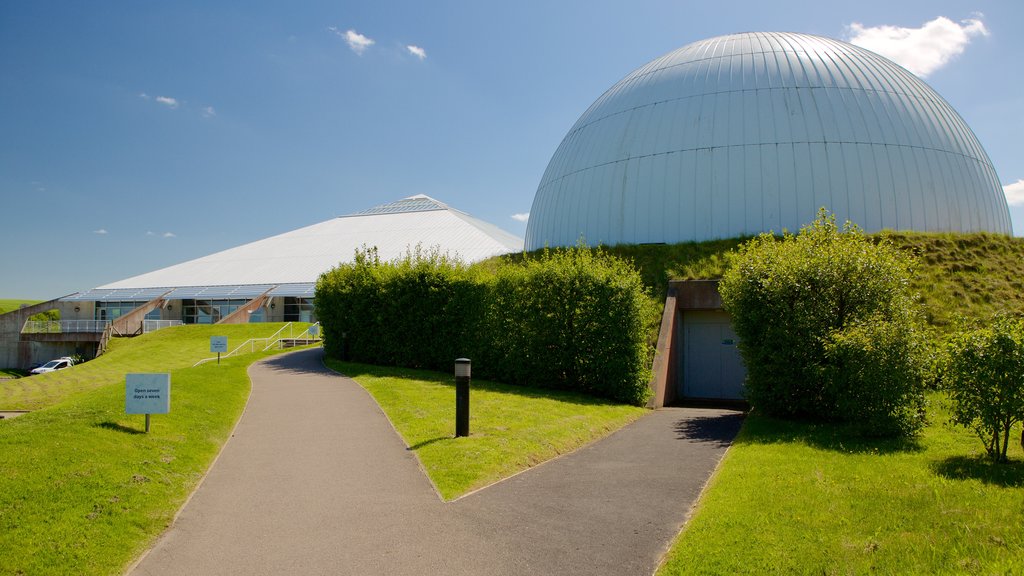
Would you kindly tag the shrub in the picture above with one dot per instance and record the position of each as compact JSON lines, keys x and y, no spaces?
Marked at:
{"x":576,"y":319}
{"x":827,"y":325}
{"x":573,"y":319}
{"x":413,"y":312}
{"x":985,"y":378}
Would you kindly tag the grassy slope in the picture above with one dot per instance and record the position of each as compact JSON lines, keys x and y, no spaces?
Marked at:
{"x":794,"y":498}
{"x":9,"y":304}
{"x":511,"y":427}
{"x":83,"y":491}
{"x":170,"y":348}
{"x":974,"y":275}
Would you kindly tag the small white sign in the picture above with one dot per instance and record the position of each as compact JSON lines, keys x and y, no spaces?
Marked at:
{"x":147,"y":394}
{"x":218,"y":343}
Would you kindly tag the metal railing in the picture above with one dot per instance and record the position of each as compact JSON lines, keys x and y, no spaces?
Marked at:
{"x":154,"y":325}
{"x":63,"y":326}
{"x":262,"y":344}
{"x":307,"y":334}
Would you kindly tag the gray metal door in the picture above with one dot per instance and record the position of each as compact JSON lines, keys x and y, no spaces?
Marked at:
{"x":712,"y":367}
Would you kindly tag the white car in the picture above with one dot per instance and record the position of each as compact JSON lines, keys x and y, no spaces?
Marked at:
{"x":52,"y":365}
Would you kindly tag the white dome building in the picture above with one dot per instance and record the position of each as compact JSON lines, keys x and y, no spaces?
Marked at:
{"x":747,"y":133}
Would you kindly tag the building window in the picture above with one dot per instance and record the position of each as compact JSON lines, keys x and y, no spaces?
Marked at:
{"x":298,"y":309}
{"x":212,"y":311}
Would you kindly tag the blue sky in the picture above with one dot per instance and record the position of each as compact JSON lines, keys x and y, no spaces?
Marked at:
{"x":136,"y":135}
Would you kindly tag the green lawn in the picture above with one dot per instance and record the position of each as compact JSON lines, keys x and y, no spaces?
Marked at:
{"x":511,"y":427}
{"x":82,"y":489}
{"x":170,"y":348}
{"x":9,"y":304}
{"x":792,"y":498}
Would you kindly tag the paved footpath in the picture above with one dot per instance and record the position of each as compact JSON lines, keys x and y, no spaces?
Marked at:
{"x":316,"y":481}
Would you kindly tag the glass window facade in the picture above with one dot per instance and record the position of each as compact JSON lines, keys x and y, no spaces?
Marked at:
{"x":298,"y":309}
{"x":201,"y":311}
{"x":115,"y":309}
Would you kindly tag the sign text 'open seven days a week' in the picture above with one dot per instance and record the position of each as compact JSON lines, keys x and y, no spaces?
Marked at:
{"x":147,"y":394}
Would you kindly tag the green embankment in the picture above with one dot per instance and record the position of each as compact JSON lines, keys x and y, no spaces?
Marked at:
{"x":83,"y":490}
{"x":11,"y":304}
{"x":970,"y":275}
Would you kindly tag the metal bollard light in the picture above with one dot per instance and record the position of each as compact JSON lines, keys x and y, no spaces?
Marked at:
{"x":462,"y":372}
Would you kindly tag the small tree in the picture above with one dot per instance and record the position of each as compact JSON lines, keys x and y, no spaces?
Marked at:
{"x":985,"y":379}
{"x":828,"y":327}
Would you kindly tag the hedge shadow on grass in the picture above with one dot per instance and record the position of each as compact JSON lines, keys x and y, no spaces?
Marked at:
{"x":1005,"y":474}
{"x":845,"y":438}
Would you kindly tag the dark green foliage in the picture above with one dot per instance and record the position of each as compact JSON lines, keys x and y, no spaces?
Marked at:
{"x":876,"y":372}
{"x":812,"y":311}
{"x":985,"y":379}
{"x":417,"y":312}
{"x":572,"y":319}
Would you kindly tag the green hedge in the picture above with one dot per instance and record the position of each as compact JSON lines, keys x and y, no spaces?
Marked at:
{"x":572,"y":319}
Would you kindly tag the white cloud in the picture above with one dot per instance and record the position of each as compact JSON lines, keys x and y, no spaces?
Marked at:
{"x":356,"y":41}
{"x":169,"y":234}
{"x":209,"y":112}
{"x":521,"y":217}
{"x":143,"y":95}
{"x":921,"y":50}
{"x":1014,"y":193}
{"x":167,"y":101}
{"x":100,"y":231}
{"x":417,"y":51}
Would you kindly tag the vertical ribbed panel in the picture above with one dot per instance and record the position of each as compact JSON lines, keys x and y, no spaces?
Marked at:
{"x":753,"y":132}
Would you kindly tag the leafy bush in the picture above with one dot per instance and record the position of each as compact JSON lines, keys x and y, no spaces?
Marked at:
{"x":415,"y":312}
{"x":877,"y":377}
{"x":573,"y":319}
{"x":985,"y":379}
{"x":828,"y":327}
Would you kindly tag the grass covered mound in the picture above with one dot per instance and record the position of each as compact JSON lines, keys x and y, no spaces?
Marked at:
{"x":12,"y":304}
{"x":972,"y":275}
{"x":84,"y":491}
{"x":167,"y":349}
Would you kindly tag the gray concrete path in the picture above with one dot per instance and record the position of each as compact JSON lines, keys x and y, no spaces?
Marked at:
{"x":316,"y":481}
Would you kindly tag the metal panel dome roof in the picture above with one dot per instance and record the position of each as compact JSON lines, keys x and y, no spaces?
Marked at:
{"x":297,"y":258}
{"x":746,"y":133}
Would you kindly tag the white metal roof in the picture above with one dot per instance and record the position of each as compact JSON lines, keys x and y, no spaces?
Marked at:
{"x":747,"y":133}
{"x":300,"y":256}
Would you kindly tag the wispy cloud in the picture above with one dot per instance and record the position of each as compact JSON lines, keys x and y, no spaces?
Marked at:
{"x":522,"y":216}
{"x":150,"y":233}
{"x":100,"y":231}
{"x":209,"y":112}
{"x":921,"y":50}
{"x":171,"y":103}
{"x":417,"y":51}
{"x":1014,"y":193}
{"x":356,"y":41}
{"x":169,"y":235}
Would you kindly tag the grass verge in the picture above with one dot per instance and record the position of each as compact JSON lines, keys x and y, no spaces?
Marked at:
{"x":83,"y":489}
{"x":798,"y":498}
{"x":167,"y":349}
{"x":511,"y":427}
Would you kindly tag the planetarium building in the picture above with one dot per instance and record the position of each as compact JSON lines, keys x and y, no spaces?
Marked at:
{"x":749,"y":133}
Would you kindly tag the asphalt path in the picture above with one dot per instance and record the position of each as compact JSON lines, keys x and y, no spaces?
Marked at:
{"x":315,"y":480}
